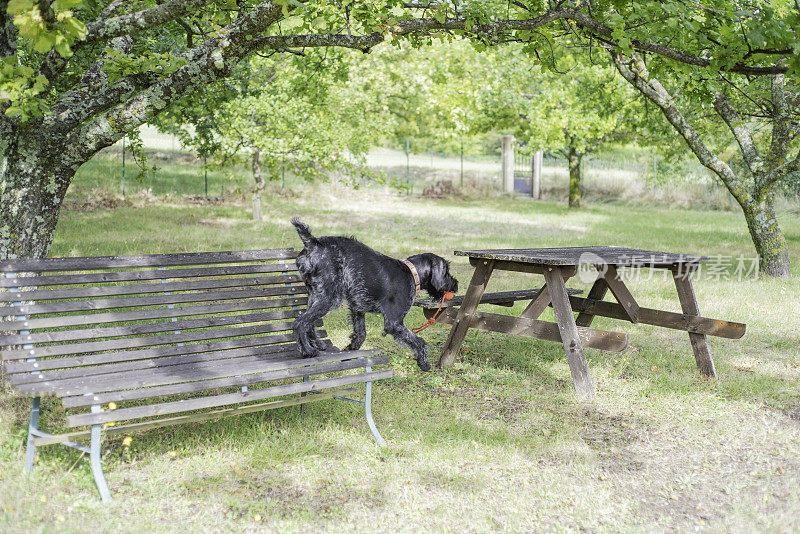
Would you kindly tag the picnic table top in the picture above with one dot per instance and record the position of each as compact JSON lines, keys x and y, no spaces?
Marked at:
{"x":618,"y":256}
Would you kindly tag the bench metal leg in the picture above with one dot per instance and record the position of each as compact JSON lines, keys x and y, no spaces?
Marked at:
{"x":95,"y":457}
{"x":30,"y":453}
{"x":303,"y":406}
{"x":368,"y":412}
{"x":97,"y":468}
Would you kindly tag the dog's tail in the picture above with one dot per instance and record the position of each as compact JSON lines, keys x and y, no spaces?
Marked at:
{"x":305,"y":234}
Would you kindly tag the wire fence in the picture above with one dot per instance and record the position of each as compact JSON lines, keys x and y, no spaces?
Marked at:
{"x":180,"y":172}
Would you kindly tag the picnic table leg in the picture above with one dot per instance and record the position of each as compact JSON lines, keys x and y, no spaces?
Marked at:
{"x":597,"y":292}
{"x":569,"y":333}
{"x":702,"y":352}
{"x":480,"y":278}
{"x":538,"y":305}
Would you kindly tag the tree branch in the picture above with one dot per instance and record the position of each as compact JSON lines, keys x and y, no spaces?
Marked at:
{"x":110,"y":9}
{"x":8,"y":32}
{"x":494,"y":32}
{"x":91,"y":93}
{"x":770,"y":178}
{"x":211,"y":60}
{"x":635,"y":72}
{"x":107,"y":28}
{"x":601,"y":30}
{"x":782,"y":134}
{"x":104,"y":28}
{"x":740,"y":132}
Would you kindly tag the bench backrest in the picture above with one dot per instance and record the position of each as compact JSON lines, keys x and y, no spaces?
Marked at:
{"x":67,"y":319}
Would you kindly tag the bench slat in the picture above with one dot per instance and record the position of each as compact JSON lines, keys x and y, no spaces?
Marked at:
{"x":192,"y":418}
{"x":25,"y":265}
{"x":176,"y":374}
{"x":222,"y":400}
{"x":178,"y":298}
{"x":21,"y":366}
{"x":143,"y":289}
{"x":32,"y":375}
{"x":150,"y":274}
{"x":205,"y":385}
{"x":153,"y":313}
{"x":140,"y":329}
{"x":162,"y":375}
{"x":97,"y":346}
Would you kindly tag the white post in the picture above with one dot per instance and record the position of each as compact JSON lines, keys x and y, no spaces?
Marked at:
{"x":508,"y":163}
{"x":536,"y":187}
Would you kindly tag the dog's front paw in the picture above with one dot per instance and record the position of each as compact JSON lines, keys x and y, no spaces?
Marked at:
{"x":310,"y":352}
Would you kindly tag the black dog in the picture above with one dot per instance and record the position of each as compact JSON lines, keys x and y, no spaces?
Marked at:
{"x":338,"y":269}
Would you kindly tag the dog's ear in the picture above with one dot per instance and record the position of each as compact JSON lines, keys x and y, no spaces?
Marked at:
{"x":440,"y":268}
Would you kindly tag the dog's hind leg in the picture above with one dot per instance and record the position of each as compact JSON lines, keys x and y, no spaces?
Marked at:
{"x":314,"y":338}
{"x":406,"y":337}
{"x":359,"y":333}
{"x":304,"y":325}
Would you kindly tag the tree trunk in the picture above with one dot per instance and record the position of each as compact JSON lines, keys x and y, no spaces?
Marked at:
{"x":258,"y":178}
{"x":33,"y":182}
{"x":574,"y":161}
{"x":770,"y":244}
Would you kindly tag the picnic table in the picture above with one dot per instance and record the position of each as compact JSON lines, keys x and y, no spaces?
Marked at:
{"x":557,"y":265}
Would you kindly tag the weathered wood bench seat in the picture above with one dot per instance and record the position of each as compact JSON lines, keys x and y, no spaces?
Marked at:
{"x":166,"y":339}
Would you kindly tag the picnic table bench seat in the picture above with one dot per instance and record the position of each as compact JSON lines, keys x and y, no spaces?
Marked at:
{"x":500,"y":298}
{"x":166,"y":339}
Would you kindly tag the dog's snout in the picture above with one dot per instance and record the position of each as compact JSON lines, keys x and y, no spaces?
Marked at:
{"x":453,"y":285}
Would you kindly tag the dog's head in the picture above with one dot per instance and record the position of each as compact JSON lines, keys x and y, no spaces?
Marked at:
{"x":434,"y":274}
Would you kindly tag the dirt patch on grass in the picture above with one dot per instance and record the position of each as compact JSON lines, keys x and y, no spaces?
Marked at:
{"x":274,"y":495}
{"x":437,"y":480}
{"x":102,"y":201}
{"x":484,"y":405}
{"x":793,"y":413}
{"x":611,"y":437}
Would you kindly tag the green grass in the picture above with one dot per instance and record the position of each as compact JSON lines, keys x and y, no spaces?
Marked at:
{"x":497,"y":443}
{"x":177,"y":174}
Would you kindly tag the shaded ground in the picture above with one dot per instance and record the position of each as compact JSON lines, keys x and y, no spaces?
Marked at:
{"x":496,"y":444}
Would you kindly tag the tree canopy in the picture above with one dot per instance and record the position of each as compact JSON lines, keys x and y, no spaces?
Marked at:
{"x":76,"y":77}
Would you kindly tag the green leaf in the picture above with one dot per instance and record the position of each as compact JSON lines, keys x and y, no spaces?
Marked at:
{"x":44,"y":42}
{"x":15,"y":7}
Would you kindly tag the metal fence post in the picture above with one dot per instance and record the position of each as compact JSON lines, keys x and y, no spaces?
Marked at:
{"x":462,"y":163}
{"x":123,"y":167}
{"x":408,"y":163}
{"x":508,"y":163}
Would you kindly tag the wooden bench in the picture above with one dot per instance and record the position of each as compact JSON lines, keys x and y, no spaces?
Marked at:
{"x":166,"y":339}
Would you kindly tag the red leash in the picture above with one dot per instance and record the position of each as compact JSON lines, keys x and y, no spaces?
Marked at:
{"x":447,"y":296}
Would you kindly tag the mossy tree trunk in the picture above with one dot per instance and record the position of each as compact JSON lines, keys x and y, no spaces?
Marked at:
{"x":574,"y":159}
{"x":768,"y":239}
{"x":33,"y":182}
